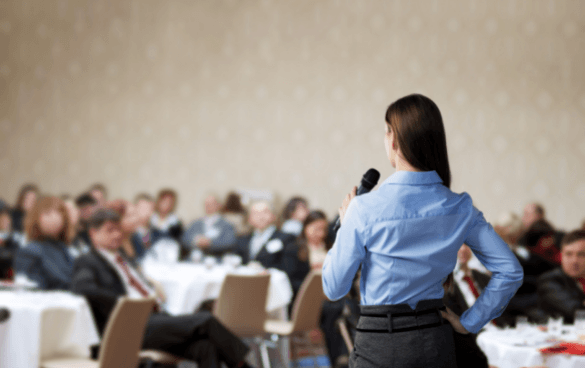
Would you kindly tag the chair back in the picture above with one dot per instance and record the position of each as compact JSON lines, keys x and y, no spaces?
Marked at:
{"x":308,"y":304}
{"x":124,"y":333}
{"x":241,"y":305}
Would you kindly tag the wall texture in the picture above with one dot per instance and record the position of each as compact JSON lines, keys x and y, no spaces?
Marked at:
{"x":290,"y":96}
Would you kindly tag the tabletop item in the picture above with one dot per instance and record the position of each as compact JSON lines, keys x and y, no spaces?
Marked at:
{"x":187,"y":285}
{"x":532,"y":346}
{"x":521,"y":322}
{"x":580,"y":321}
{"x":44,"y":325}
{"x":555,"y":324}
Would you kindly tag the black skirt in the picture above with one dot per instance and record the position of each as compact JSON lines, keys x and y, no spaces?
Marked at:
{"x":399,"y":337}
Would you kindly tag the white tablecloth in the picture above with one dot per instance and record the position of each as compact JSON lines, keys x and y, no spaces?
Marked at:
{"x":186,"y":284}
{"x":511,"y":348}
{"x":44,"y":325}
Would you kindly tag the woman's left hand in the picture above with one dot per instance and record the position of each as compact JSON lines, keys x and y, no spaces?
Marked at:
{"x":454,"y":321}
{"x":345,"y":204}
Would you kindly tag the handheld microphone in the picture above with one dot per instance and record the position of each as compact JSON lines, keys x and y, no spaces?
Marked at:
{"x":369,"y":181}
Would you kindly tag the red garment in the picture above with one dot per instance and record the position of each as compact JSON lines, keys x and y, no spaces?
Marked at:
{"x":565,"y":348}
{"x":547,"y":249}
{"x":471,"y":286}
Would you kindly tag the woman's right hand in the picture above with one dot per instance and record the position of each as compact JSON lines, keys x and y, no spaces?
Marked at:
{"x":454,"y":321}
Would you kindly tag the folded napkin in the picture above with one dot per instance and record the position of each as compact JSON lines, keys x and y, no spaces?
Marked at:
{"x":571,"y":348}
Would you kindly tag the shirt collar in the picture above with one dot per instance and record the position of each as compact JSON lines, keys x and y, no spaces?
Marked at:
{"x":267,"y":233}
{"x":414,"y":178}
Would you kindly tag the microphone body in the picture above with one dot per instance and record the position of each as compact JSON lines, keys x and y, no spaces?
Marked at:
{"x":369,"y":181}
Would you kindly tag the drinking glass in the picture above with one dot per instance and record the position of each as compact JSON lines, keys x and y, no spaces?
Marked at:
{"x":555,"y":324}
{"x":580,"y":321}
{"x":521,"y":322}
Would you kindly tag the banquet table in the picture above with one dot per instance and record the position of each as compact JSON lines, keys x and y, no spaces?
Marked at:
{"x":187,"y":284}
{"x":44,"y":325}
{"x":514,"y":348}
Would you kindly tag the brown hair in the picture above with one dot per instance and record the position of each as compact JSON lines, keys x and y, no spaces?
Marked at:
{"x":291,"y":206}
{"x":99,"y":186}
{"x":419,"y":131}
{"x":233,"y":204}
{"x":143,"y":196}
{"x":303,"y":252}
{"x":23,"y":192}
{"x":32,"y":221}
{"x":101,"y":216}
{"x":572,"y":237}
{"x":163,"y":193}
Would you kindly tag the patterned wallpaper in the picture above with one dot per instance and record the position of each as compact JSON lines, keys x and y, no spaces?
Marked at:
{"x":290,"y":96}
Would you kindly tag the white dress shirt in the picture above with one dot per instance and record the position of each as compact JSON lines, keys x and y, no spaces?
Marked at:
{"x":259,"y":239}
{"x":209,"y":228}
{"x":132,"y":291}
{"x":464,"y":287}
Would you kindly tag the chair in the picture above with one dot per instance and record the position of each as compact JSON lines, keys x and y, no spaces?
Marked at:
{"x":4,"y":314}
{"x":241,"y":307}
{"x":122,"y":338}
{"x":306,"y":310}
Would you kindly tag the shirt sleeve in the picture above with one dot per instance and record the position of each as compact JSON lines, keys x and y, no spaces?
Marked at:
{"x":507,"y":274}
{"x":346,"y":255}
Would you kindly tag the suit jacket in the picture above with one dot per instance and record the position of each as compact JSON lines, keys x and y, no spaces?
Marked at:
{"x":48,"y":263}
{"x":269,"y":257}
{"x":222,"y":243}
{"x":96,"y":279}
{"x":558,"y":294}
{"x":456,"y":300}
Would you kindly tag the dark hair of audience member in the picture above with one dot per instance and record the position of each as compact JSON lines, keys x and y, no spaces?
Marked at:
{"x":143,"y":196}
{"x":539,"y":209}
{"x":167,"y":192}
{"x":572,"y":237}
{"x":291,"y":205}
{"x":101,"y":187}
{"x":24,"y":190}
{"x":32,"y":220}
{"x":233,"y":204}
{"x":313,"y":216}
{"x":85,"y":199}
{"x":101,"y":216}
{"x":419,"y":131}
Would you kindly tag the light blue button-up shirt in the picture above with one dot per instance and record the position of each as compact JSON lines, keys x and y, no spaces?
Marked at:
{"x":406,"y":236}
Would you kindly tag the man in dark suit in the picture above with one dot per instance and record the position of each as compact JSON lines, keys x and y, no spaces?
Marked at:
{"x":561,"y":291}
{"x":266,"y":244}
{"x":103,"y":275}
{"x":212,"y":234}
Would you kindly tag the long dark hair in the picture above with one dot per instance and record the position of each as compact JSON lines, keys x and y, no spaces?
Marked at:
{"x":303,"y":253}
{"x":418,"y":129}
{"x":233,"y":204}
{"x":291,"y":206}
{"x":24,"y":190}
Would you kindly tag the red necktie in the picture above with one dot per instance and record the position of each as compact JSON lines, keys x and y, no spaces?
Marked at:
{"x":581,"y":281}
{"x":471,"y":286}
{"x":131,"y":279}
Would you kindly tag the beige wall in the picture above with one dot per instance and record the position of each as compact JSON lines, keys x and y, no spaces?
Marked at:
{"x":290,"y":96}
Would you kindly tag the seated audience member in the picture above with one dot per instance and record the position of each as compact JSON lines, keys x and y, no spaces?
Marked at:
{"x":309,"y":250}
{"x":562,"y":291}
{"x":266,"y":244}
{"x":103,"y":275}
{"x":164,"y":223}
{"x":212,"y":234}
{"x":539,"y":236}
{"x":466,"y":349}
{"x":87,"y":205}
{"x":294,"y":214}
{"x":234,"y":212}
{"x":509,"y":227}
{"x":46,"y":259}
{"x":132,"y":247}
{"x":27,"y":198}
{"x":99,"y":192}
{"x":145,"y":209}
{"x":78,"y":246}
{"x":308,"y":253}
{"x":8,"y":245}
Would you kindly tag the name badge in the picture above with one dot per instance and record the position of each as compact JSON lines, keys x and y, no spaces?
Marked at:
{"x":273,"y":246}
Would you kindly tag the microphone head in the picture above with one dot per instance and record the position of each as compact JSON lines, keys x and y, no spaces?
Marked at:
{"x":370,"y":179}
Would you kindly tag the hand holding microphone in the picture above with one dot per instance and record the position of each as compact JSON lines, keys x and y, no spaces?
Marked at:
{"x":369,"y":181}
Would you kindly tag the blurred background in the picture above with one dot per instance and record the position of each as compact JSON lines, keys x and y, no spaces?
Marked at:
{"x":289,"y":96}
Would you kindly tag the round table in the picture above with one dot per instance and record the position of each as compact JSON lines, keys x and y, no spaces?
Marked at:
{"x":187,"y":284}
{"x":43,"y":325}
{"x":515,"y":348}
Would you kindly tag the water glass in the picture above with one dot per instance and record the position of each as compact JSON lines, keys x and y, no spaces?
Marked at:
{"x":521,"y":323}
{"x":580,"y":321}
{"x":555,"y":324}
